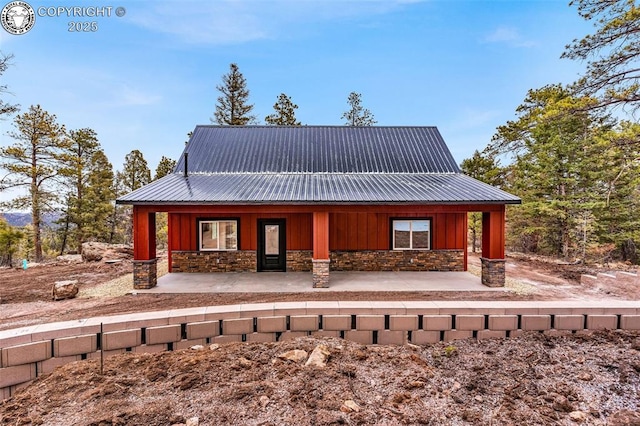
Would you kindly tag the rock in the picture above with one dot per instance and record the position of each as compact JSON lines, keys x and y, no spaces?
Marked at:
{"x":94,"y":252}
{"x":65,"y":289}
{"x":214,"y":347}
{"x":264,"y":401}
{"x":196,"y":347}
{"x":350,"y":406}
{"x":318,"y":357}
{"x":245,"y":363}
{"x":561,"y":403}
{"x":578,"y":416}
{"x":478,"y":398}
{"x":295,"y":355}
{"x":70,"y":258}
{"x":193,"y":421}
{"x":587,"y":377}
{"x":624,"y":418}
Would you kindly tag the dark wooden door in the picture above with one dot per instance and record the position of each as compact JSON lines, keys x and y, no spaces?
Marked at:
{"x":272,"y":240}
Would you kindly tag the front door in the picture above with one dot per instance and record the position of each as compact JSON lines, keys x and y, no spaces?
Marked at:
{"x":272,"y":240}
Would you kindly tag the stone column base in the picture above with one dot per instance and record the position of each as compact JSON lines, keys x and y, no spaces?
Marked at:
{"x":493,"y":272}
{"x":145,"y":274}
{"x":320,"y":273}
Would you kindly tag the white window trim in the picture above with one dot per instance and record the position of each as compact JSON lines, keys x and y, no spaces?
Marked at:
{"x":217,"y":221}
{"x":393,"y":233}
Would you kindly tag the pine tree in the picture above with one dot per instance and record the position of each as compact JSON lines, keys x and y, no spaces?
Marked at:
{"x":135,"y":174}
{"x":285,"y":112}
{"x":99,"y":194}
{"x":485,"y":168}
{"x":34,"y":162}
{"x":77,"y":158}
{"x":135,"y":171}
{"x":10,"y":238}
{"x":233,"y":106}
{"x":612,"y":52}
{"x":165,"y":167}
{"x":357,"y":115}
{"x":6,"y":108}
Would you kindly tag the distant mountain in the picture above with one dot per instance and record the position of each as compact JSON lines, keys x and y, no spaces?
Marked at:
{"x":23,"y":219}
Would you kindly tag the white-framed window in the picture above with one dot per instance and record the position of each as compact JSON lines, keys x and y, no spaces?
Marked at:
{"x":411,"y":234}
{"x":218,"y":234}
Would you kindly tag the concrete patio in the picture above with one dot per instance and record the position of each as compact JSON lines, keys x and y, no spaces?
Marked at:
{"x":298,"y":282}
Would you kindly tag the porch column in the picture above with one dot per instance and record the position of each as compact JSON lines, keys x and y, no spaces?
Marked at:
{"x":320,"y":249}
{"x":493,"y":241}
{"x":145,"y":263}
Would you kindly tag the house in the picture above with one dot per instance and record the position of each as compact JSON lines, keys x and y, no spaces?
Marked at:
{"x":319,"y":199}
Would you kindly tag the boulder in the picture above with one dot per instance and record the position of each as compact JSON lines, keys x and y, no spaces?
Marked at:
{"x":296,"y":355}
{"x":65,"y":289}
{"x":70,"y":258}
{"x":94,"y":252}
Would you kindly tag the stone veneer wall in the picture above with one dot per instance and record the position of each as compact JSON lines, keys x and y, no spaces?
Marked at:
{"x":493,"y":272}
{"x":398,"y":260}
{"x":29,"y":352}
{"x":145,"y":273}
{"x":301,"y":260}
{"x":214,"y":261}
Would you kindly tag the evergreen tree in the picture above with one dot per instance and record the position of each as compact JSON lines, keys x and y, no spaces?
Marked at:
{"x":34,"y":162}
{"x":100,"y":196}
{"x":10,"y":238}
{"x":575,"y":176}
{"x":165,"y":167}
{"x":357,"y":115}
{"x":485,"y":168}
{"x":135,"y":172}
{"x":612,"y":52}
{"x":285,"y":112}
{"x":233,"y":106}
{"x":77,"y":158}
{"x":6,"y":108}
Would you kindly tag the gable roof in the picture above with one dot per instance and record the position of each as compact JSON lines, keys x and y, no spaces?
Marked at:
{"x":316,"y":164}
{"x":317,"y":149}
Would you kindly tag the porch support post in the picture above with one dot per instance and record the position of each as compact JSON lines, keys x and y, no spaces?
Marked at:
{"x":320,"y":249}
{"x":493,"y":242}
{"x":145,"y":263}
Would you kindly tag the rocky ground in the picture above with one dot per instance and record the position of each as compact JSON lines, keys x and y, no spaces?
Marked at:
{"x":534,"y":379}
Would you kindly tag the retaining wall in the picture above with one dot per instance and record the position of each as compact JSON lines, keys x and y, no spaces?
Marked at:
{"x":29,"y":352}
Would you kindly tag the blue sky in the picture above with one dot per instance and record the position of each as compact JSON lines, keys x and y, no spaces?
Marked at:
{"x":144,"y":80}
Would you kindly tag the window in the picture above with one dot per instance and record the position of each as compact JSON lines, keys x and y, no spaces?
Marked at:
{"x":218,"y":234}
{"x":411,"y":234}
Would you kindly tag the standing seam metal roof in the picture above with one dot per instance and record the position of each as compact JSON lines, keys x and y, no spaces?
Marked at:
{"x":319,"y":164}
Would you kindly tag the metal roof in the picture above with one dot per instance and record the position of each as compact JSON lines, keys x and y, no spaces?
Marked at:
{"x":317,"y":164}
{"x":317,"y":149}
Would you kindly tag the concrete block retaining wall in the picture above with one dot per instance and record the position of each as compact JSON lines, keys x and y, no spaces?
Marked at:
{"x":29,"y":352}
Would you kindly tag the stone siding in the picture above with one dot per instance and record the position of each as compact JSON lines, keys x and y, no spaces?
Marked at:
{"x":398,"y":260}
{"x":145,"y":273}
{"x":493,"y":272}
{"x":301,"y":260}
{"x":213,"y":261}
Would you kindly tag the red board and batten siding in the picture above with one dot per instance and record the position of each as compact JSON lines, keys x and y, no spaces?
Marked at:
{"x":347,"y":231}
{"x":364,"y":227}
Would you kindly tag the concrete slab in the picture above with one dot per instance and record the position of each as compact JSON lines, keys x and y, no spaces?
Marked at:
{"x":301,"y":282}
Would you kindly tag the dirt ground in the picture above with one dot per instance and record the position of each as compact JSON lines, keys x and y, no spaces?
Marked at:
{"x":534,"y":379}
{"x":25,"y":295}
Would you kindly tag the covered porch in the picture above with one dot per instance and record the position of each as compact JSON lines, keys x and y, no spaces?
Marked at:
{"x":331,"y":240}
